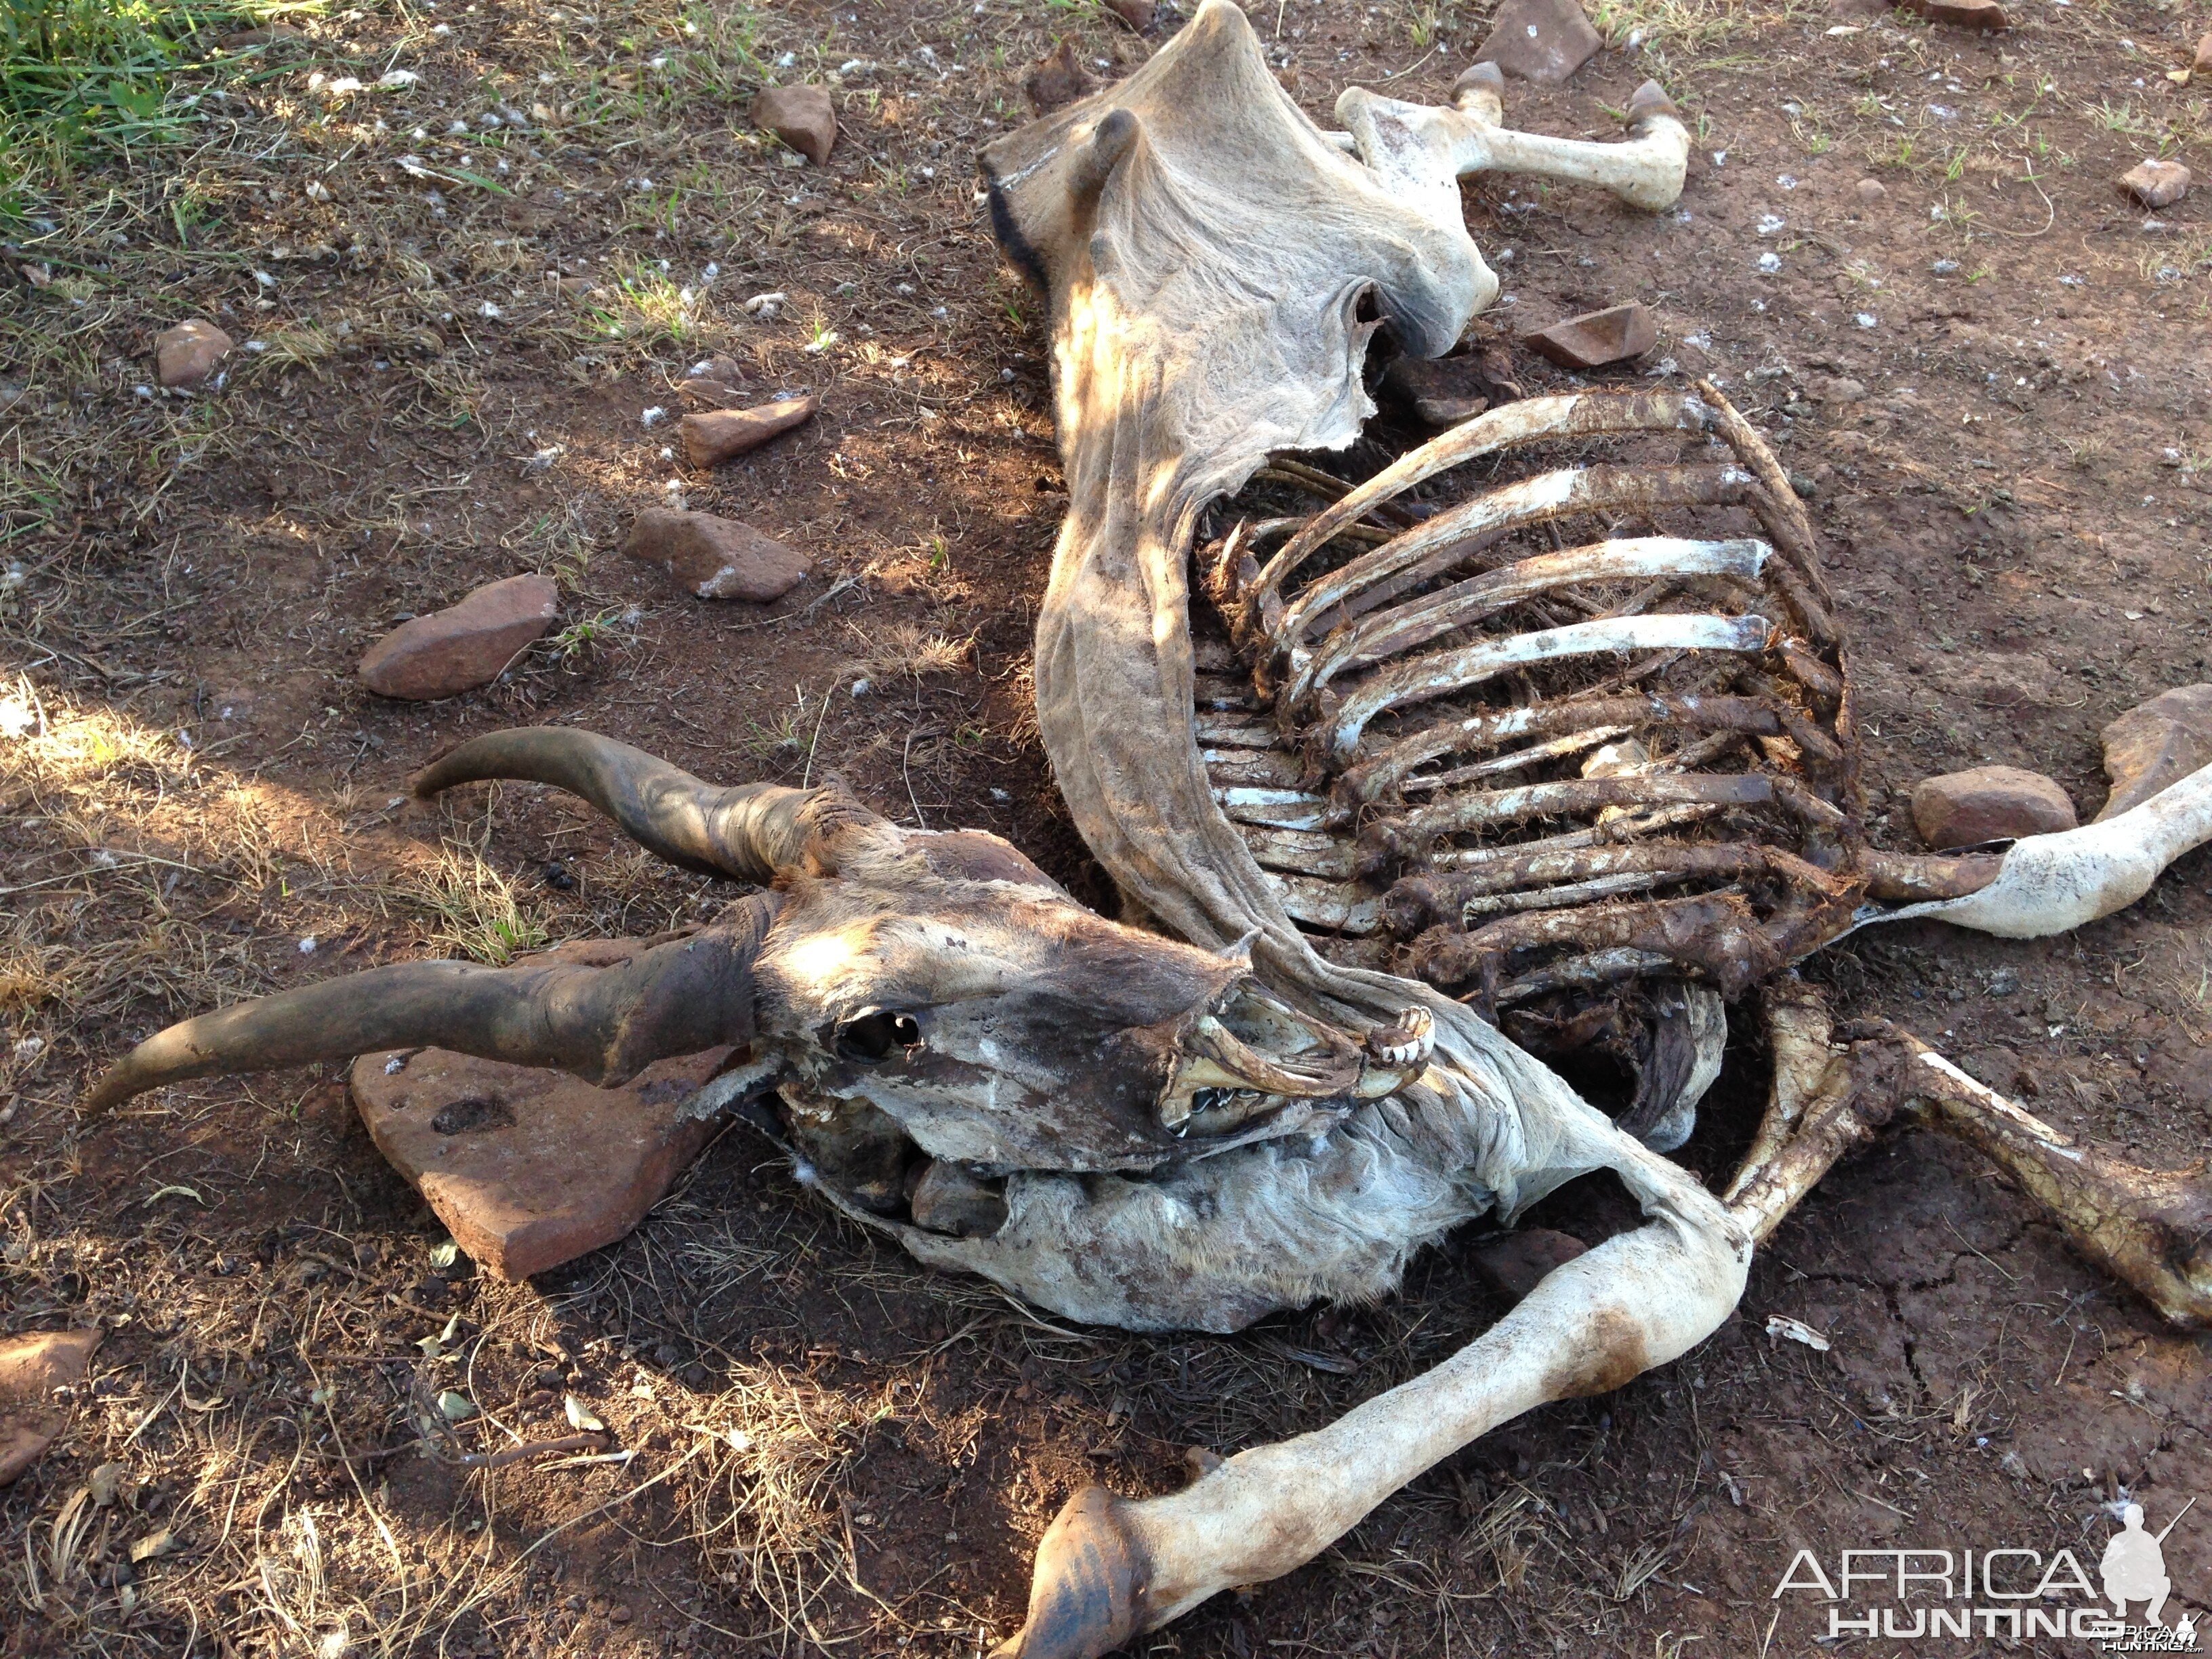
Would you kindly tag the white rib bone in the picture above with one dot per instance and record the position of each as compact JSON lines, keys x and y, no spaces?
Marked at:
{"x":1446,"y":671}
{"x":2052,"y":883}
{"x":1577,"y":414}
{"x":1510,"y":506}
{"x":1384,"y":633}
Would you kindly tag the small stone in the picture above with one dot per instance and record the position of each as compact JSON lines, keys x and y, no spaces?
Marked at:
{"x":1598,"y":338}
{"x":468,"y":645}
{"x":186,"y":355}
{"x":1989,"y":802}
{"x":718,"y":383}
{"x":31,"y":1368}
{"x":1515,"y":1265}
{"x":2156,"y":744}
{"x":1870,"y":191}
{"x":1987,"y":16}
{"x":1058,"y":80}
{"x":2202,"y":65}
{"x":1137,"y":14}
{"x":801,"y":116}
{"x":529,"y":1169}
{"x":714,"y":558}
{"x":1841,"y":390}
{"x":2156,"y":184}
{"x":717,"y":435}
{"x":1541,"y":40}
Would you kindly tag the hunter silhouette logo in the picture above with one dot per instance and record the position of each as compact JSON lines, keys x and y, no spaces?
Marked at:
{"x":2133,"y":1567}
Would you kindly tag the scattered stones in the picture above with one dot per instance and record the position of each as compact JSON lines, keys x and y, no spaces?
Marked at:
{"x":31,"y":1368}
{"x":1598,"y":338}
{"x":186,"y":355}
{"x":1541,"y":40}
{"x":801,"y":116}
{"x":1987,"y":16}
{"x":1058,"y":80}
{"x":718,"y":434}
{"x":456,"y":650}
{"x":718,"y":383}
{"x":1137,"y":14}
{"x":529,"y":1169}
{"x":714,"y":558}
{"x":1989,"y":802}
{"x":2156,"y":184}
{"x":1514,"y":1265}
{"x":1870,"y":191}
{"x":2157,"y":743}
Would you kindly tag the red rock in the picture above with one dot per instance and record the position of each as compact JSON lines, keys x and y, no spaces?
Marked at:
{"x":186,"y":355}
{"x":1598,"y":338}
{"x":2156,"y":744}
{"x":2156,"y":184}
{"x":718,"y":383}
{"x":1989,"y":802}
{"x":1986,"y":16}
{"x":456,"y":650}
{"x":801,"y":116}
{"x":717,"y":435}
{"x":1514,"y":1265}
{"x":714,"y":558}
{"x":1137,"y":14}
{"x":1541,"y":40}
{"x":1058,"y":80}
{"x":31,"y":1368}
{"x":529,"y":1169}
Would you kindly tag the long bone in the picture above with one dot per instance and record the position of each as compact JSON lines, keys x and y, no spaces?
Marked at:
{"x":1833,"y":1091}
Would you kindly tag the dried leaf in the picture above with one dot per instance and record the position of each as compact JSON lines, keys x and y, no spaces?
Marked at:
{"x":455,"y":1408}
{"x":581,"y":1417}
{"x":153,"y":1544}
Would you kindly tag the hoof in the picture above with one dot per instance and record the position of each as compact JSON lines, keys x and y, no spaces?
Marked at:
{"x":1087,"y":1594}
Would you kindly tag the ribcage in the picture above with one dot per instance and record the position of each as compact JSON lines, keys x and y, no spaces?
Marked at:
{"x":1525,"y":723}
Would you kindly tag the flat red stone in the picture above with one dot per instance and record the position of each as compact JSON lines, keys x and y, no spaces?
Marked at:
{"x":529,"y":1169}
{"x":31,"y":1368}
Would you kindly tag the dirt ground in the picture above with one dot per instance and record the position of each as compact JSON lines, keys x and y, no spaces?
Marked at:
{"x":1996,"y":378}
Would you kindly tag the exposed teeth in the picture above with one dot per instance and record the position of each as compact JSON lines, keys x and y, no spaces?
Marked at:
{"x":1408,"y":1041}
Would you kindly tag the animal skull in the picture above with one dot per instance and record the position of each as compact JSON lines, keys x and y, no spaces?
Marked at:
{"x":1193,"y":1130}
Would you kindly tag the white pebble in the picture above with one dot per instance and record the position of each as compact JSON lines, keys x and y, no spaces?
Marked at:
{"x":653,"y":417}
{"x":307,"y":945}
{"x":1770,"y":262}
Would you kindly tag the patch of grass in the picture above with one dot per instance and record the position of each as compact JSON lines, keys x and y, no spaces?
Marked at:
{"x":83,"y":76}
{"x":474,"y":909}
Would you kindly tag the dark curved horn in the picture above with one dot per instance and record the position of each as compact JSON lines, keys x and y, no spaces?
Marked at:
{"x":751,"y":831}
{"x":604,"y":1024}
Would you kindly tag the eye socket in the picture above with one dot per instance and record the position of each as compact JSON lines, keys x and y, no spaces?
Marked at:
{"x":871,"y":1038}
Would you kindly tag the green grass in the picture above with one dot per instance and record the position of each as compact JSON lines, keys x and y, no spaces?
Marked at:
{"x":82,"y":78}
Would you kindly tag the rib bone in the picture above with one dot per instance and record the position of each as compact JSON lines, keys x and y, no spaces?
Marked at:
{"x":1446,"y":671}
